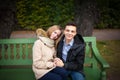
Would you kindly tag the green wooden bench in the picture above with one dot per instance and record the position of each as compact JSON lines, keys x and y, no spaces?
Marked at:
{"x":16,"y":60}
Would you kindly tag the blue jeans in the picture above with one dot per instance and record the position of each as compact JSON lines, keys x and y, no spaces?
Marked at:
{"x":76,"y":75}
{"x":57,"y":73}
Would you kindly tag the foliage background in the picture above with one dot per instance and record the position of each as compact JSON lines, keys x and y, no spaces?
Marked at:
{"x":32,"y":14}
{"x":109,"y":14}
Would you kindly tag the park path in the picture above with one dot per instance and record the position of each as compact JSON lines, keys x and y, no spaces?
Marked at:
{"x":107,"y":34}
{"x":104,"y":34}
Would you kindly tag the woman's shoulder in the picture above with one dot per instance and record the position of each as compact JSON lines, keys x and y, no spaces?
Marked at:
{"x":38,"y":41}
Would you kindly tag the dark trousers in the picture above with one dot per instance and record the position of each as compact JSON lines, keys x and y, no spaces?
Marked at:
{"x":57,"y":73}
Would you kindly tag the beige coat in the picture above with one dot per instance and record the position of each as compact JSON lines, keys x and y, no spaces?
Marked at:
{"x":43,"y":52}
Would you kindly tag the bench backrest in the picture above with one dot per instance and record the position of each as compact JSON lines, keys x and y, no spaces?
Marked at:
{"x":90,"y":60}
{"x":16,"y":51}
{"x":19,"y":51}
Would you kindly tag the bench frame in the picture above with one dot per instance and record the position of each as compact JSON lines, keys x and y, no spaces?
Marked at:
{"x":16,"y":60}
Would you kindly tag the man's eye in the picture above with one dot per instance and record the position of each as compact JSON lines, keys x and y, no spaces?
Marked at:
{"x":67,"y":30}
{"x":72,"y":31}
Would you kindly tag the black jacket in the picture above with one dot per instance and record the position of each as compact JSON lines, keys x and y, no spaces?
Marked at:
{"x":76,"y":54}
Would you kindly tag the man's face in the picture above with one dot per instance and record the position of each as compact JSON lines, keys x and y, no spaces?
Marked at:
{"x":69,"y":32}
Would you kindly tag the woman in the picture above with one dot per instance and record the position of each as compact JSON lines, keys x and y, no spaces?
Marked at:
{"x":44,"y":60}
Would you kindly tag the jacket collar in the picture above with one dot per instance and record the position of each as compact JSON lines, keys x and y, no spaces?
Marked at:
{"x":78,"y":40}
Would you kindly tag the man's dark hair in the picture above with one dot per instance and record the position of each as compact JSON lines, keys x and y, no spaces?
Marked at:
{"x":71,"y":24}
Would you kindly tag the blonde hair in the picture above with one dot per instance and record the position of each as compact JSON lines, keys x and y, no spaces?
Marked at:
{"x":41,"y":32}
{"x":52,"y":29}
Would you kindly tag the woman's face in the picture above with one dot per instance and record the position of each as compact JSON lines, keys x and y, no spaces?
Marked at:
{"x":55,"y":34}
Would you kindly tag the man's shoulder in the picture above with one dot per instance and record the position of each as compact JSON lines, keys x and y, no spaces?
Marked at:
{"x":79,"y":38}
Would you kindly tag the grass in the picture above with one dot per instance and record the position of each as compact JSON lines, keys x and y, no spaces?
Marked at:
{"x":110,"y":50}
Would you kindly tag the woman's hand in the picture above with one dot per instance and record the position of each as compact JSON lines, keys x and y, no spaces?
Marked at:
{"x":58,"y":62}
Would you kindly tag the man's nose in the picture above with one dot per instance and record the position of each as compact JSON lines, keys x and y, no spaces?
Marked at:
{"x":70,"y":32}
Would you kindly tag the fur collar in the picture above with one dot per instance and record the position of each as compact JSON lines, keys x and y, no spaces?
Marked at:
{"x":47,"y":41}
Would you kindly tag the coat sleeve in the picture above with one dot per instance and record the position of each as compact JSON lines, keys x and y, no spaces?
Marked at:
{"x":37,"y":57}
{"x":76,"y":64}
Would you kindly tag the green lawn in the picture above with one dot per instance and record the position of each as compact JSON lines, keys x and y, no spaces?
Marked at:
{"x":110,"y":50}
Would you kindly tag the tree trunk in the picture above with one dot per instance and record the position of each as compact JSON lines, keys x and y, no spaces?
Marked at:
{"x":7,"y":18}
{"x":86,"y":16}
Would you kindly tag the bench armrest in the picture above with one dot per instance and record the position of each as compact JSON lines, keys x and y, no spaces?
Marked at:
{"x":103,"y":64}
{"x":99,"y":58}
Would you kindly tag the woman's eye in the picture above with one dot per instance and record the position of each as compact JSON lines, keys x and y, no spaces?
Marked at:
{"x":55,"y":32}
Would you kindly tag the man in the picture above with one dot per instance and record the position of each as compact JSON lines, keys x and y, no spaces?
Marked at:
{"x":71,"y":50}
